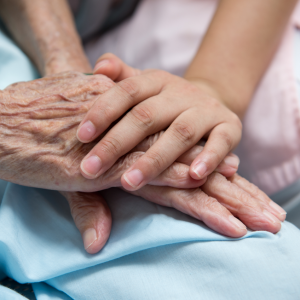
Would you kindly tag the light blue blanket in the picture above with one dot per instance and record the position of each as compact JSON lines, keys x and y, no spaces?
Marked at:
{"x":153,"y":252}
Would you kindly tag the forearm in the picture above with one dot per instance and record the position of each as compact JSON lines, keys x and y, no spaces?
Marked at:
{"x":46,"y":32}
{"x":240,"y":43}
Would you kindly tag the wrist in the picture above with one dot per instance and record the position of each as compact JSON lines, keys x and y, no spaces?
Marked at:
{"x":60,"y":62}
{"x":224,"y":94}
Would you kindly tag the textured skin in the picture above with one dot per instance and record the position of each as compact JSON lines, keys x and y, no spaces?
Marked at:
{"x":38,"y":123}
{"x":39,"y":148}
{"x":38,"y":144}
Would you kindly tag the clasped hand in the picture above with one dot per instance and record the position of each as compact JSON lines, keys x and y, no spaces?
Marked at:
{"x":39,"y":148}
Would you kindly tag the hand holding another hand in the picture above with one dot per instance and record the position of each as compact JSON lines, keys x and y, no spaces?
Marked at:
{"x":38,"y":121}
{"x":158,"y":101}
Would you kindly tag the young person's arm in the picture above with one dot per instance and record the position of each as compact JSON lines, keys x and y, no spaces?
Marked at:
{"x":237,"y":49}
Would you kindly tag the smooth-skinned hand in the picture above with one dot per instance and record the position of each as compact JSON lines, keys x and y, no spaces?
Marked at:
{"x":156,"y":101}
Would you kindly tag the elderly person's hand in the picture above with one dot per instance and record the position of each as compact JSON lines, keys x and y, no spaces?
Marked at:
{"x":39,"y":148}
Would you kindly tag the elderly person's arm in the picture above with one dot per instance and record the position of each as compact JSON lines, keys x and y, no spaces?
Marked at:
{"x":46,"y":32}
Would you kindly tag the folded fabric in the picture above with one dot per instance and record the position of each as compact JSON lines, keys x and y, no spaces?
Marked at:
{"x":153,"y":253}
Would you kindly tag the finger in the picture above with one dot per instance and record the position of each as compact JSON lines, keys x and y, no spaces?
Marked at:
{"x":92,"y":217}
{"x":177,"y":175}
{"x":222,"y":139}
{"x":183,"y":133}
{"x":241,"y":204}
{"x":114,"y":68}
{"x":227,"y":167}
{"x":255,"y":192}
{"x":196,"y":204}
{"x":115,"y":102}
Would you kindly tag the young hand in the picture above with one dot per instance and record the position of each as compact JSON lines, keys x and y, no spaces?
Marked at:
{"x":158,"y":101}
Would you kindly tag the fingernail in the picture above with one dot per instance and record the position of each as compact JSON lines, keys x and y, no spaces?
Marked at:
{"x":89,"y":237}
{"x":232,"y":161}
{"x":277,"y":208}
{"x":100,"y":64}
{"x":86,"y":131}
{"x":237,"y":223}
{"x":200,"y":169}
{"x":134,"y":177}
{"x":270,"y":217}
{"x":91,"y":165}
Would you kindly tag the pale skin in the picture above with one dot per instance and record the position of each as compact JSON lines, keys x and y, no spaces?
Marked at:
{"x":53,"y":53}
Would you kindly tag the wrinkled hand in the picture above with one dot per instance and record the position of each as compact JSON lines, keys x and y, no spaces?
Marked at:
{"x":158,"y":100}
{"x":220,"y":203}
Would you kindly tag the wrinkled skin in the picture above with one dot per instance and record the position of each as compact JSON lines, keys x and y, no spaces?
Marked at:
{"x":39,"y":148}
{"x":38,"y":122}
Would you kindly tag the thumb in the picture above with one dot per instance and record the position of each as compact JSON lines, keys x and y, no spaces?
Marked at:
{"x":113,"y":67}
{"x":92,"y":217}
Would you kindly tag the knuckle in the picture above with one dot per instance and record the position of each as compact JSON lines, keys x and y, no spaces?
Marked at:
{"x":184,"y":132}
{"x":177,"y":174}
{"x":101,"y":112}
{"x":143,"y":116}
{"x":110,"y":145}
{"x":200,"y":204}
{"x":254,"y":191}
{"x":108,"y":113}
{"x":226,"y":138}
{"x":130,"y":87}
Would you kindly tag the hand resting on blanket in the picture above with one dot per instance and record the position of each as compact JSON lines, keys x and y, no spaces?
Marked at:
{"x":39,"y":148}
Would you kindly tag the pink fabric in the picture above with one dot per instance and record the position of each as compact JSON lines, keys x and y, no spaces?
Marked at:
{"x":270,"y":147}
{"x":165,"y":34}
